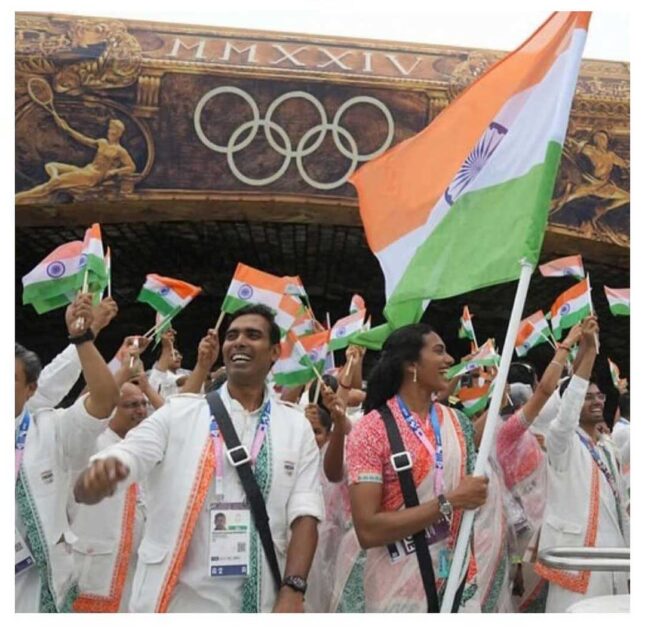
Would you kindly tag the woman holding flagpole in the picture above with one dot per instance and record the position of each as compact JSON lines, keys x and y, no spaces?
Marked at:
{"x":439,"y":451}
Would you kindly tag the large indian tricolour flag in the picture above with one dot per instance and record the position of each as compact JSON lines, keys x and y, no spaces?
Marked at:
{"x":457,"y":206}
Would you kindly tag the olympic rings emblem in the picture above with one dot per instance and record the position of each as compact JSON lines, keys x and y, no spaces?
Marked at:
{"x":346,"y":146}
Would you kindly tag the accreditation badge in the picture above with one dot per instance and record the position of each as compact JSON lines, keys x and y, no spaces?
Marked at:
{"x":434,"y":534}
{"x":230,"y":538}
{"x":24,"y":559}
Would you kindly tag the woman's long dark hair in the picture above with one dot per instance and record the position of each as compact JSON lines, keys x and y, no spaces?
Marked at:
{"x":403,"y":345}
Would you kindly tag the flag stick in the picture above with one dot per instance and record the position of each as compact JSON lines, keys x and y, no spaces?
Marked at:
{"x":317,"y":393}
{"x":595,"y":336}
{"x":80,"y":321}
{"x":474,"y":335}
{"x":548,"y":340}
{"x":135,"y":344}
{"x":222,"y":314}
{"x":318,"y":375}
{"x":488,"y":437}
{"x":161,"y":323}
{"x":348,"y":366}
{"x":543,"y":336}
{"x":109,"y":285}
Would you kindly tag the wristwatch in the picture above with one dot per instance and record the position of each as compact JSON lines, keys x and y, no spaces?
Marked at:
{"x":445,"y":508}
{"x":86,"y":336}
{"x":296,"y":583}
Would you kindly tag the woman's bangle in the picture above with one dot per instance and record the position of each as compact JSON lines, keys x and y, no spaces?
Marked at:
{"x":561,"y":345}
{"x":343,"y":386}
{"x":558,"y":363}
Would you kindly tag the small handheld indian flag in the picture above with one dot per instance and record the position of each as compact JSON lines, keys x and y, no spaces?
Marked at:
{"x":93,"y":259}
{"x":571,"y":307}
{"x":474,"y":400}
{"x":344,"y":329}
{"x":299,"y":357}
{"x":54,"y":281}
{"x":486,"y":356}
{"x":250,"y":285}
{"x":618,"y":299}
{"x":564,"y":267}
{"x":534,"y":330}
{"x":356,"y":304}
{"x":167,"y":295}
{"x":466,"y":329}
{"x":304,"y":323}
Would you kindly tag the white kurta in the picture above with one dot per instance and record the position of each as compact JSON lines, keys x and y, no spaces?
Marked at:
{"x":99,"y":529}
{"x":59,"y":442}
{"x":570,"y":467}
{"x":166,"y":448}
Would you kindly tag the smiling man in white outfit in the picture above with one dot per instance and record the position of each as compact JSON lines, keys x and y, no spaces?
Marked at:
{"x":190,"y":480}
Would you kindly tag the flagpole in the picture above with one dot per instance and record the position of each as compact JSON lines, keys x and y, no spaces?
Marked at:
{"x":317,"y":393}
{"x":80,"y":321}
{"x":156,"y":326}
{"x":543,"y":336}
{"x":487,"y":440}
{"x":222,"y":314}
{"x":595,"y":336}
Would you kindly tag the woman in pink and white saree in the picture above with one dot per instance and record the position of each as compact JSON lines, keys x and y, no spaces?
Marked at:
{"x":440,"y":444}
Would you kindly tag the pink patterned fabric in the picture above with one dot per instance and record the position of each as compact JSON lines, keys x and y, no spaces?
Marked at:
{"x":368,"y":453}
{"x":518,"y":451}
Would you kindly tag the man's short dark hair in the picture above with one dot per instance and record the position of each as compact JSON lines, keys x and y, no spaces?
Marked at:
{"x":328,"y":380}
{"x":264,"y":312}
{"x":521,"y":372}
{"x":30,"y":362}
{"x":623,"y":404}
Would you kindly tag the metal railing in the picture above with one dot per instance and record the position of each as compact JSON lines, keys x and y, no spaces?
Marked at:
{"x":586,"y":558}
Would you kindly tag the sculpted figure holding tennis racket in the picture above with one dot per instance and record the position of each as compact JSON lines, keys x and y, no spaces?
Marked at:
{"x":110,"y":160}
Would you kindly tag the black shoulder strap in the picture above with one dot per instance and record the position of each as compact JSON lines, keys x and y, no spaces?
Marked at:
{"x":411,"y":500}
{"x":249,"y":483}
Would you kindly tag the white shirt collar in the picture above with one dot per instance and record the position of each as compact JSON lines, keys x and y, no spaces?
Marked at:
{"x":236,"y":406}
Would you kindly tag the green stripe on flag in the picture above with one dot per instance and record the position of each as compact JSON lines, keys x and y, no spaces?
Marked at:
{"x":464,"y":367}
{"x":480,"y":242}
{"x":294,"y":378}
{"x":619,"y":309}
{"x":156,"y":301}
{"x":570,"y":320}
{"x":46,"y":290}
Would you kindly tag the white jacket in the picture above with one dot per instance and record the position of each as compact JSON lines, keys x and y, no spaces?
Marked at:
{"x":108,"y":535}
{"x":56,"y":380}
{"x":58,"y":445}
{"x":172,"y":450}
{"x":574,"y":515}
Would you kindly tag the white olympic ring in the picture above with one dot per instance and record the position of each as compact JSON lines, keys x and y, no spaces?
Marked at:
{"x":347,"y":146}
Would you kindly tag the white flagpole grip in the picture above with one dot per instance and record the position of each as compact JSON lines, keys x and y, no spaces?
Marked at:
{"x":487,"y":442}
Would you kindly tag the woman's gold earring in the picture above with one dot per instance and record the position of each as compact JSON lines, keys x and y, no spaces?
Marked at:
{"x":414,"y":379}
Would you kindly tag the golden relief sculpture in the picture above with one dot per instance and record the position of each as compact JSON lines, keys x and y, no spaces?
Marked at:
{"x":111,"y":160}
{"x":60,"y":49}
{"x":591,"y":170}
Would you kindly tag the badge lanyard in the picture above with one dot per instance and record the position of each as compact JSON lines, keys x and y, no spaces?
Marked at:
{"x":21,"y":439}
{"x":420,"y":434}
{"x":218,"y":444}
{"x":606,"y":472}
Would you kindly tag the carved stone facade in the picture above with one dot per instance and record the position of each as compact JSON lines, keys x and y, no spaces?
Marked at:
{"x":196,"y":148}
{"x":210,"y":115}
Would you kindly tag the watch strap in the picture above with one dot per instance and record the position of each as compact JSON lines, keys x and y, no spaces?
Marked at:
{"x":86,"y":336}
